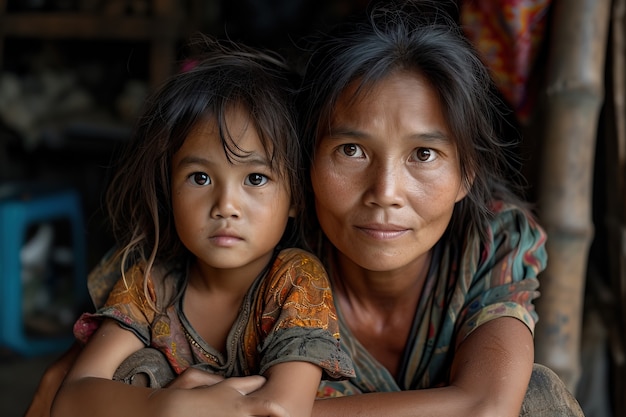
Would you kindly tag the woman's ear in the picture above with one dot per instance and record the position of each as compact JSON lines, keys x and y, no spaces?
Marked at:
{"x":461,"y":193}
{"x":293,"y":211}
{"x":466,"y":185}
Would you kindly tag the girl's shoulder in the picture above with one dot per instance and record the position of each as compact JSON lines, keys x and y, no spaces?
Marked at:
{"x":299,"y":259}
{"x":298,"y":266}
{"x":162,"y":283}
{"x":297,"y":255}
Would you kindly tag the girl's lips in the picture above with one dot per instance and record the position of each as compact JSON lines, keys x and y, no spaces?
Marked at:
{"x":225,"y":239}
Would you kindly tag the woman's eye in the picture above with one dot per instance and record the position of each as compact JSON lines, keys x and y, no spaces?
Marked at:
{"x":425,"y":154}
{"x":256,"y":179}
{"x":200,"y":178}
{"x":352,"y":150}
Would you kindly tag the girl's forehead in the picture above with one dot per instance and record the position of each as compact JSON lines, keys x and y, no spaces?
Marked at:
{"x":233,"y":133}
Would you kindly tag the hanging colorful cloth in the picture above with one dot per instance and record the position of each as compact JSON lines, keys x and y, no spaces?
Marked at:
{"x":508,"y":34}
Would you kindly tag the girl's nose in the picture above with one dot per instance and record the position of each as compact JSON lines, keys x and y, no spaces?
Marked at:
{"x":226,"y":203}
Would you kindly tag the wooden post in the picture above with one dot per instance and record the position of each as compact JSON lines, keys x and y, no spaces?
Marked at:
{"x":574,"y":94}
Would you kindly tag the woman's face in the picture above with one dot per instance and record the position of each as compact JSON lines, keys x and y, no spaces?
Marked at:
{"x":386,"y":175}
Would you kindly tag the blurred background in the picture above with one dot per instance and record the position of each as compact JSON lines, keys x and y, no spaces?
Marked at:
{"x":74,"y":74}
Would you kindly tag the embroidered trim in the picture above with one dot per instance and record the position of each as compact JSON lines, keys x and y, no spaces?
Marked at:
{"x":197,"y":345}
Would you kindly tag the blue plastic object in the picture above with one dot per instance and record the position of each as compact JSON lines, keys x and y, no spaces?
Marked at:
{"x":22,"y":207}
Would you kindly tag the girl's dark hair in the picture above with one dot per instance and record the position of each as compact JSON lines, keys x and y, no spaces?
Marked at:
{"x":420,"y":37}
{"x":223,"y":74}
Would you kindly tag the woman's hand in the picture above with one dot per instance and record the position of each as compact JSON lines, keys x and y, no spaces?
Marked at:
{"x":195,"y":378}
{"x":230,"y":400}
{"x":230,"y":394}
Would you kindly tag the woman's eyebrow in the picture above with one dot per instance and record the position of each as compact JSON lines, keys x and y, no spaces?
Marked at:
{"x":429,"y":136}
{"x":344,"y":131}
{"x":432,"y":136}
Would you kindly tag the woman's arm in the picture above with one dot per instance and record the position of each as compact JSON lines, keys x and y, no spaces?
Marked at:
{"x":89,"y":390}
{"x":51,"y":381}
{"x":489,"y":376}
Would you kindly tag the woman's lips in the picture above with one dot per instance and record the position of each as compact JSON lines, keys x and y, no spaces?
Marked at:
{"x":383,"y":231}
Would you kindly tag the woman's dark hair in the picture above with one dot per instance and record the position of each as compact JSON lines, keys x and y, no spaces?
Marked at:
{"x":222,"y":75}
{"x":420,"y":37}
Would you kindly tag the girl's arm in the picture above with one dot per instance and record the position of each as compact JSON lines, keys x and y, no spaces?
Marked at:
{"x":293,"y":385}
{"x":489,"y":376}
{"x":89,"y":390}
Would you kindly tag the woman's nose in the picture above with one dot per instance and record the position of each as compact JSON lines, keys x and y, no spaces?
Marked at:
{"x":225,"y":203}
{"x":386,"y":184}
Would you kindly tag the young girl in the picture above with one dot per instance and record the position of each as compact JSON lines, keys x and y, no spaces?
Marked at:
{"x":205,"y":207}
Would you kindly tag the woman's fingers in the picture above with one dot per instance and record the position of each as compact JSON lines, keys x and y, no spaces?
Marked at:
{"x":194,"y":378}
{"x":245,"y":385}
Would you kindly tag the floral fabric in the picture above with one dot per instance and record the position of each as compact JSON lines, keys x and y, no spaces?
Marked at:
{"x":287,"y":315}
{"x":509,"y":34}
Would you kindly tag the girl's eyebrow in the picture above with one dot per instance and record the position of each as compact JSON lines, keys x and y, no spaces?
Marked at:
{"x":253,"y":159}
{"x":192,"y":160}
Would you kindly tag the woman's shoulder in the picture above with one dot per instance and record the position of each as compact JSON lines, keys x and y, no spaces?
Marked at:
{"x":514,"y":222}
{"x":512,"y":232}
{"x":103,"y":277}
{"x":514,"y":237}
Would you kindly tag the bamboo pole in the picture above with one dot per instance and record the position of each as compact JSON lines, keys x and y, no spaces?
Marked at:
{"x":573,"y":97}
{"x":615,"y":216}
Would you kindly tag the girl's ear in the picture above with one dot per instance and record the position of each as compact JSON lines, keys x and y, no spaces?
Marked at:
{"x":293,"y":211}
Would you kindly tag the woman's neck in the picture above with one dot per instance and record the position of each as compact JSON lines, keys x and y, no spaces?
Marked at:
{"x":378,"y":306}
{"x":378,"y":287}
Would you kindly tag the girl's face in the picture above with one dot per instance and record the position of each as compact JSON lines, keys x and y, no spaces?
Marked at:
{"x":228,"y":214}
{"x":386,"y":175}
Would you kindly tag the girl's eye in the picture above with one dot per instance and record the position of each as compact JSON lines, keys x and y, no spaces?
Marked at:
{"x":256,"y":179}
{"x":200,"y":178}
{"x":425,"y":154}
{"x":352,"y":150}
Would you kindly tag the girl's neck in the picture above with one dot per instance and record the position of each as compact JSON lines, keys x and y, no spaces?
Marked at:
{"x":227,"y":281}
{"x":218,"y":292}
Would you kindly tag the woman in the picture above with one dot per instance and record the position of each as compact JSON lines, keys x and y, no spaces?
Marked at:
{"x":432,"y":256}
{"x":419,"y":221}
